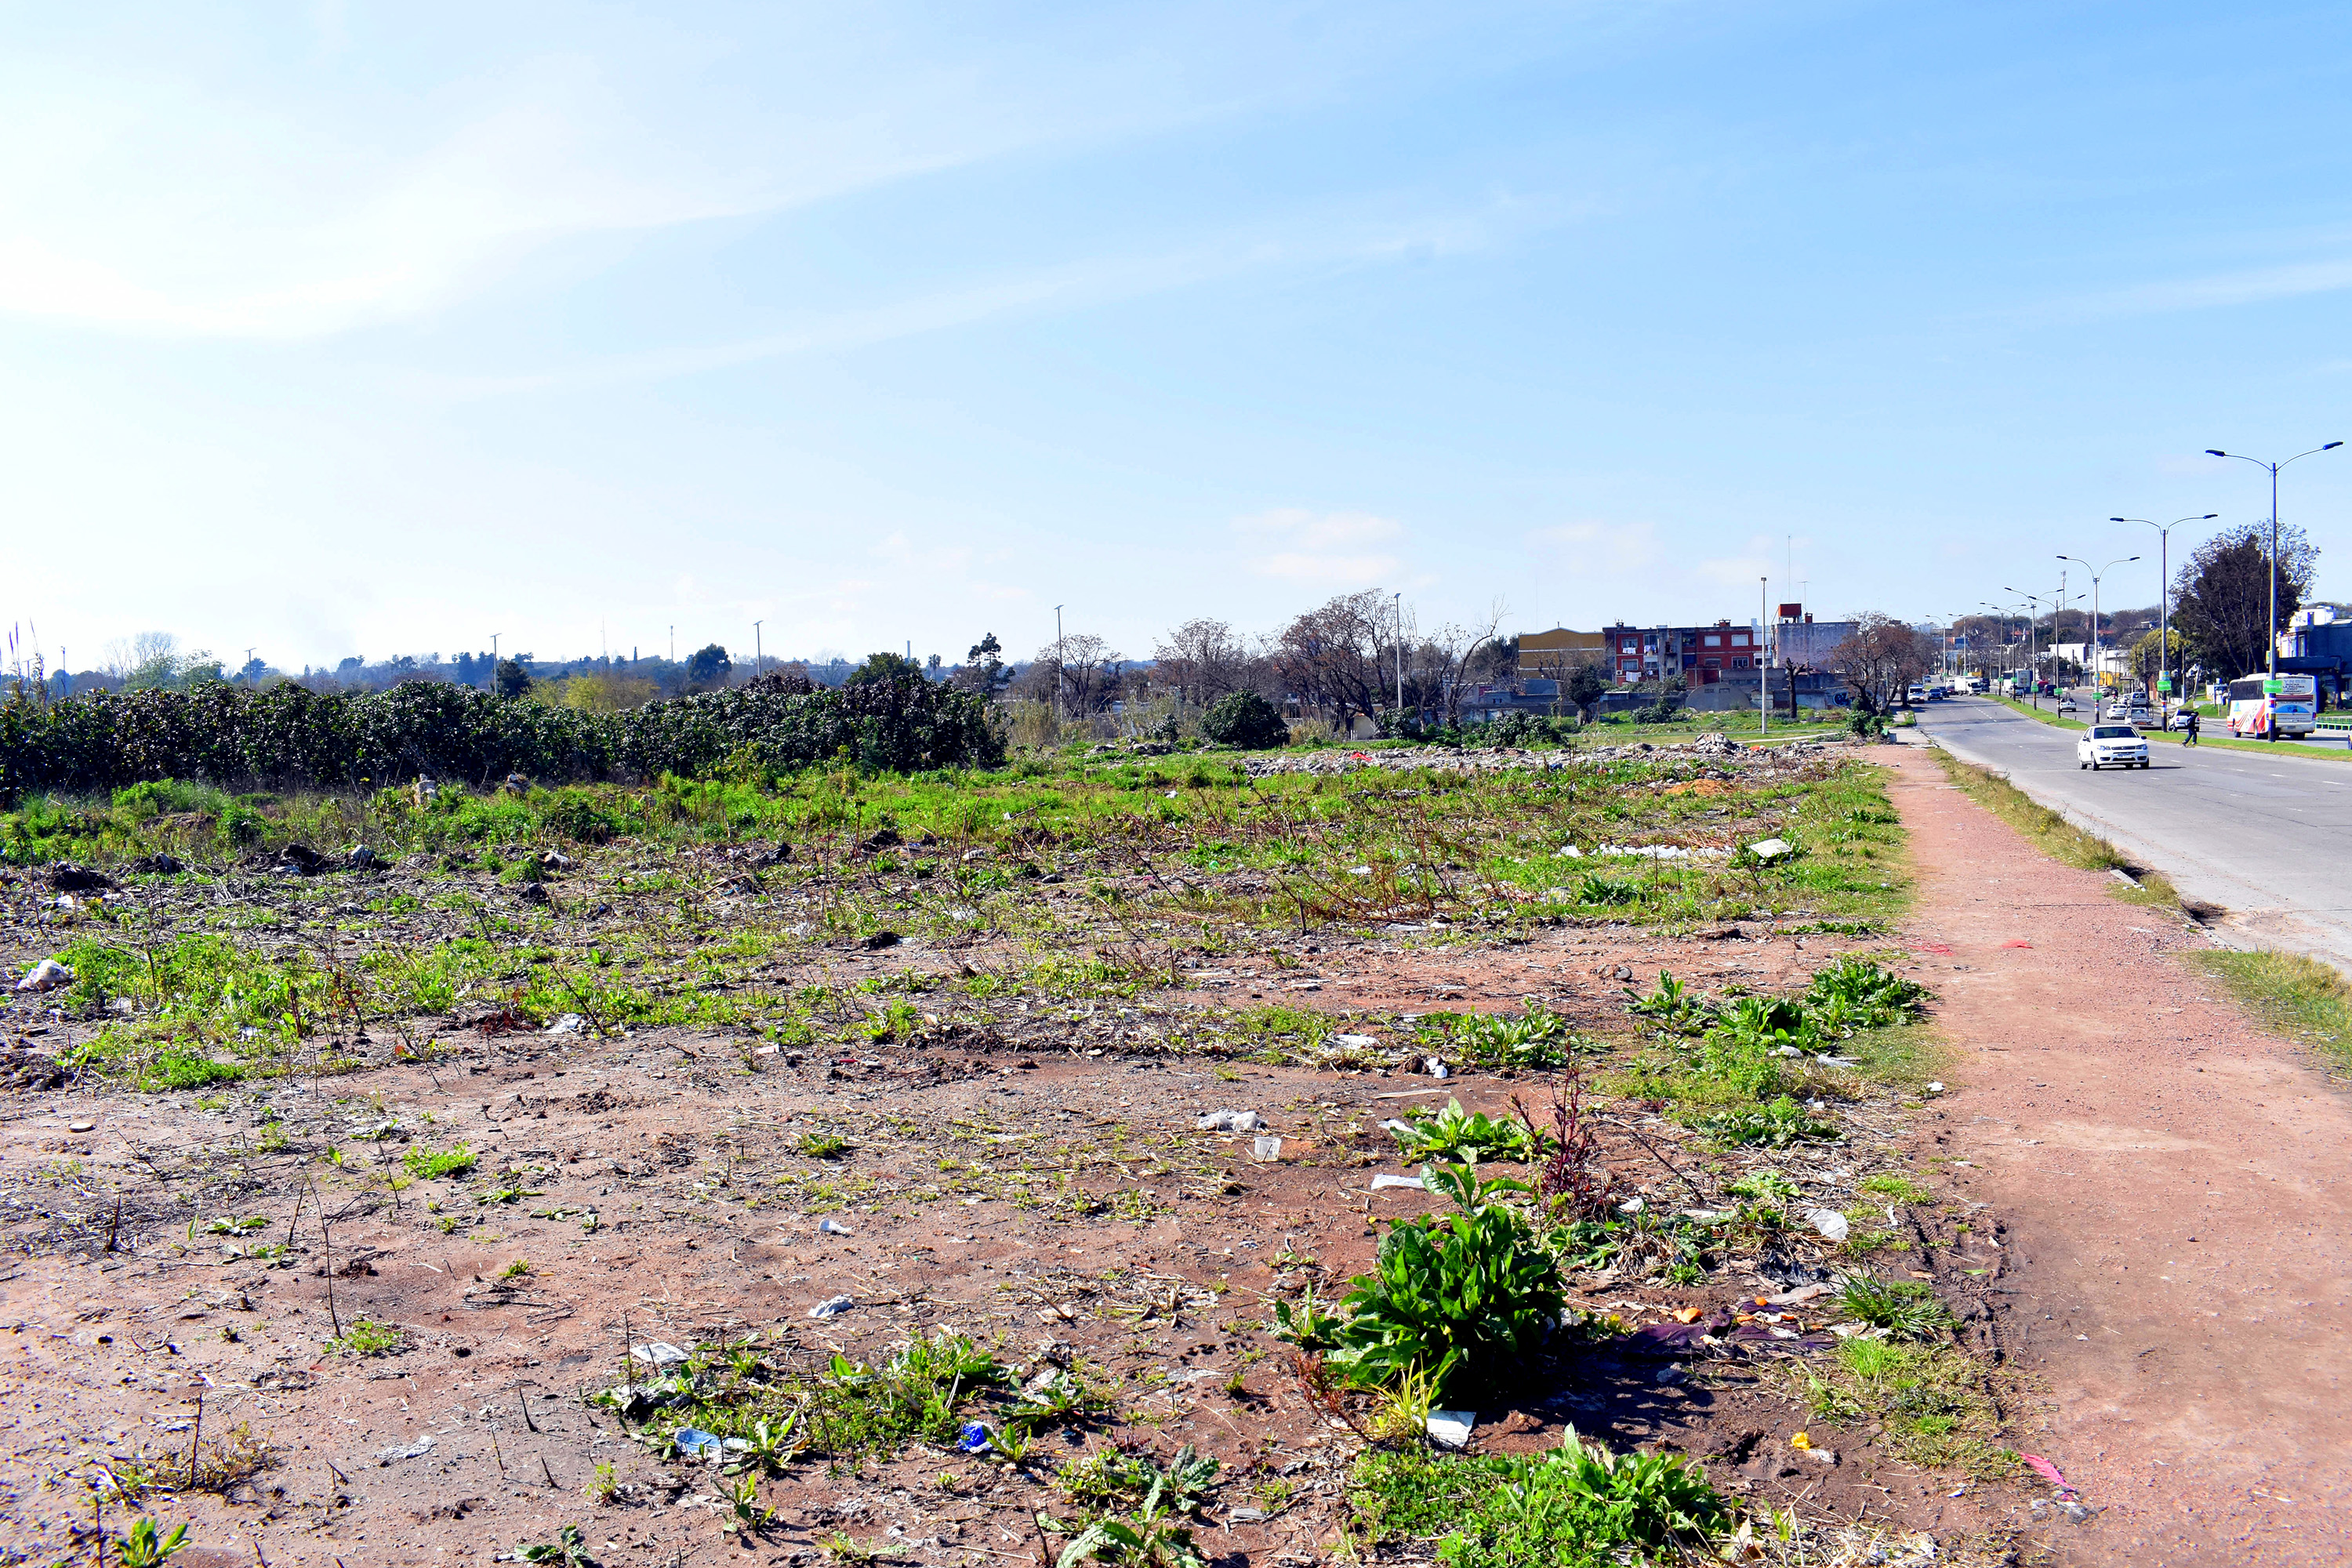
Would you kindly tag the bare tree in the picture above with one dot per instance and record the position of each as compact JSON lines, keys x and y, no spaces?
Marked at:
{"x":1081,"y":668}
{"x":1460,"y":653}
{"x":1204,"y":659}
{"x":1880,"y":658}
{"x":1334,"y":660}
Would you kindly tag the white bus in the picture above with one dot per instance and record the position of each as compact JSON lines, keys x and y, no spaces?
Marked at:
{"x":2271,"y":705}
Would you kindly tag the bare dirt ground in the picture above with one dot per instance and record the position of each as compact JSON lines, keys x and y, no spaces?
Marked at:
{"x":2179,"y":1210}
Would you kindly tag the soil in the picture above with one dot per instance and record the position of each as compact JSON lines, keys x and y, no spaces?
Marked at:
{"x":2181,"y":1221}
{"x":1159,"y":1281}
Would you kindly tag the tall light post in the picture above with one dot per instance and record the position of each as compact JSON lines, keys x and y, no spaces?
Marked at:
{"x":2097,"y":644}
{"x":2271,"y":636}
{"x":2004,"y":612}
{"x":759,"y":652}
{"x":2033,"y":615}
{"x":2164,"y":590}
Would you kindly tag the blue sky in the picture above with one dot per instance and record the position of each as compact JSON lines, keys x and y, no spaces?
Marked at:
{"x":377,"y":330}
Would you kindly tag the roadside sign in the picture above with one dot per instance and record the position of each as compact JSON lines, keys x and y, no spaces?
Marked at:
{"x":2273,"y":687}
{"x":2164,"y":683}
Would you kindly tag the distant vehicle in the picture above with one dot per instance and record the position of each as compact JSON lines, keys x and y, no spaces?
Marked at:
{"x":1977,"y":686}
{"x":2111,"y":746}
{"x":1917,"y":695}
{"x":2065,"y":705}
{"x":1937,"y":692}
{"x":2292,"y":709}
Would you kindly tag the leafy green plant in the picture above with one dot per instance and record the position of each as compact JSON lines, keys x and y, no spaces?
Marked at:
{"x":143,"y":1546}
{"x":1763,"y":1186}
{"x":566,"y":1551}
{"x":428,"y":1163}
{"x":1455,"y":1135}
{"x":1775,"y":1126}
{"x":1867,"y":995}
{"x":822,"y":1145}
{"x":1113,"y":1478}
{"x":1673,"y":1006}
{"x":1453,"y":1295}
{"x":1904,"y":1309}
{"x":1606,"y":892}
{"x":1538,"y":1039}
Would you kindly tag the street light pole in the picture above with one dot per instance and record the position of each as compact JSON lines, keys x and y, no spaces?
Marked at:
{"x":2164,"y":588}
{"x":759,"y":652}
{"x":2097,"y":643}
{"x":2270,"y":636}
{"x":2034,"y":614}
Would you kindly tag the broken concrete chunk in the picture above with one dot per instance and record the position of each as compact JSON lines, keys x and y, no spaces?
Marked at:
{"x":1231,"y":1122}
{"x":47,"y":976}
{"x":1450,"y":1428}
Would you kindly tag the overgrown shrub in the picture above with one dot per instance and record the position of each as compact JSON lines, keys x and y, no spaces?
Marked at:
{"x":289,"y":737}
{"x":1245,"y":720}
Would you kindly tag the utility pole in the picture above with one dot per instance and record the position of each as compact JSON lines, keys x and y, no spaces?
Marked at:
{"x":758,"y":653}
{"x":1763,"y":667}
{"x":673,"y":644}
{"x":2271,"y":636}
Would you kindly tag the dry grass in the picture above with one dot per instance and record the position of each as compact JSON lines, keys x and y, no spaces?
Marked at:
{"x":2298,"y":997}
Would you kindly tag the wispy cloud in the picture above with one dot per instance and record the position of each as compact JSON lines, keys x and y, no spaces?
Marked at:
{"x":2217,"y":291}
{"x":1337,"y":550}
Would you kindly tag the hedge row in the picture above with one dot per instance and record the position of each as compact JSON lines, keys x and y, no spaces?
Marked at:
{"x":288,"y":737}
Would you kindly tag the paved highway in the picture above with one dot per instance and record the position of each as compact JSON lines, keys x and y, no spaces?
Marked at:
{"x":2262,"y":834}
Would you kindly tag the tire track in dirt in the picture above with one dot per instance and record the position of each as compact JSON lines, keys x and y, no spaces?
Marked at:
{"x":2181,"y":1218}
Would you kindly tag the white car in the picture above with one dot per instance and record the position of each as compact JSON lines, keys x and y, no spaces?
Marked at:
{"x":2111,"y":746}
{"x":2065,"y":705}
{"x":2179,"y":721}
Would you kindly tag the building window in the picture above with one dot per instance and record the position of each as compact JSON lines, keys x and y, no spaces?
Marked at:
{"x":1713,"y":640}
{"x":1739,"y":664}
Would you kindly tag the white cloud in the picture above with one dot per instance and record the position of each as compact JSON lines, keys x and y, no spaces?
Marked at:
{"x":1326,"y":549}
{"x":1602,"y":549}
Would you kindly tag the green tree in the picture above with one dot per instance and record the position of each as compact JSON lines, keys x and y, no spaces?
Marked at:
{"x":984,"y":665}
{"x":2148,"y":656}
{"x":709,"y":666}
{"x":1245,"y":720}
{"x":2224,"y":603}
{"x":881,"y":666}
{"x":1586,"y":685}
{"x":511,"y":679}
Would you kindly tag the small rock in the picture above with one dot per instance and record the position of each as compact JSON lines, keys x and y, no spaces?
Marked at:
{"x":570,"y":1023}
{"x":416,"y":1450}
{"x":1231,"y":1122}
{"x":833,"y":1308}
{"x":65,"y":877}
{"x":47,"y":976}
{"x":1450,"y":1428}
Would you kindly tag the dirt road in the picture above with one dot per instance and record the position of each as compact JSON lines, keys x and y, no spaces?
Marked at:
{"x":2175,"y":1184}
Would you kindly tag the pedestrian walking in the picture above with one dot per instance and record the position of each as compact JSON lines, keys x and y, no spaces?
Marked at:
{"x":2192,"y":729}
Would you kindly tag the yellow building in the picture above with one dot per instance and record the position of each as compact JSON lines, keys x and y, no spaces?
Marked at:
{"x":1551,"y":655}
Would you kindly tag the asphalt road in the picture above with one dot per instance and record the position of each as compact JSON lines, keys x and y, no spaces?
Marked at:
{"x":2261,"y":834}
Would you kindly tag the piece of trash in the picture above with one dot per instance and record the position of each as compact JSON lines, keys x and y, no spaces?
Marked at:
{"x":1572,"y":852}
{"x":697,"y":1445}
{"x":881,"y":938}
{"x":81,"y":1127}
{"x":2076,"y":1512}
{"x":1436,"y":1068}
{"x":416,"y":1450}
{"x":1669,"y":1374}
{"x":570,"y":1023}
{"x":1385,"y":1181}
{"x":2051,"y":1473}
{"x":1231,"y":1122}
{"x":834,"y":1308}
{"x":46,"y":975}
{"x":1801,"y":1442}
{"x":1933,"y":1088}
{"x":2027,"y":946}
{"x":1631,"y":1205}
{"x":1354,"y":1042}
{"x":975,"y":1437}
{"x":1686,"y":1314}
{"x":658,"y":1354}
{"x":1771,"y":849}
{"x":1788,"y":1051}
{"x":1360,"y":870}
{"x":834,"y":1227}
{"x":1450,"y":1428}
{"x":1829,"y":1222}
{"x":1266,"y":1148}
{"x":1245,"y":1515}
{"x":1796,"y":1297}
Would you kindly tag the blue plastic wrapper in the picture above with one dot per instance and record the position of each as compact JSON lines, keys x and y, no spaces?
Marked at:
{"x":975,"y":1438}
{"x":697,"y":1445}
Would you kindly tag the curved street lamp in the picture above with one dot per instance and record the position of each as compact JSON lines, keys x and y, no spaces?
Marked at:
{"x":2164,"y":586}
{"x":2271,"y":637}
{"x":2097,"y":643}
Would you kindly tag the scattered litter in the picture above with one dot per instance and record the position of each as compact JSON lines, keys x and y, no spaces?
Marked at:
{"x":1450,"y":1428}
{"x":658,"y":1354}
{"x":81,"y":1127}
{"x":1771,"y":849}
{"x":1571,"y":851}
{"x":1354,"y":1042}
{"x":1803,"y":1442}
{"x":1829,"y":1222}
{"x":570,"y":1023}
{"x":1631,"y":1205}
{"x":834,"y":1227}
{"x":1838,"y":1061}
{"x":697,"y":1445}
{"x":2051,"y":1473}
{"x":2024,"y":944}
{"x":1245,"y":1515}
{"x":975,"y":1437}
{"x":416,"y":1450}
{"x":1933,"y":1088}
{"x":834,"y":1308}
{"x":1231,"y":1122}
{"x":46,"y":975}
{"x":1661,"y":852}
{"x":1360,"y":870}
{"x":1384,"y":1181}
{"x":1266,"y":1148}
{"x":1796,"y":1297}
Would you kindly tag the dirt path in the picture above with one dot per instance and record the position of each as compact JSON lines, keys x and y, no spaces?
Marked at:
{"x":2180,"y":1215}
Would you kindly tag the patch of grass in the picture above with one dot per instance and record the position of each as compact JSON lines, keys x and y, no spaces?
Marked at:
{"x":1904,"y":1309}
{"x":2298,"y":997}
{"x":1901,"y":1189}
{"x":1579,"y":1506}
{"x":1931,"y":1401}
{"x":822,"y":1145}
{"x":367,"y":1337}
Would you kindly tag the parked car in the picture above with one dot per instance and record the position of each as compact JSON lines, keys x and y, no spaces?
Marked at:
{"x":2111,"y":746}
{"x":2179,"y":721}
{"x":1917,"y":695}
